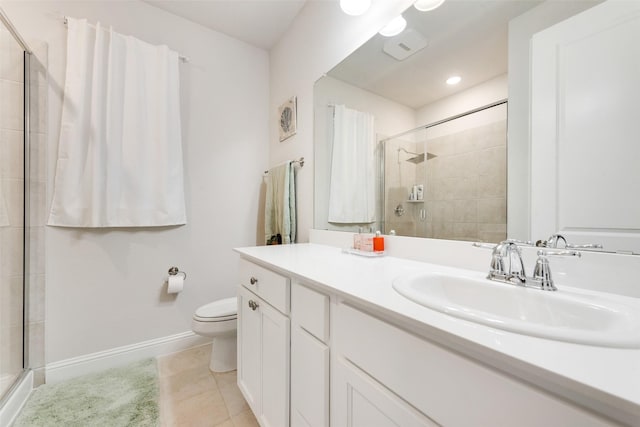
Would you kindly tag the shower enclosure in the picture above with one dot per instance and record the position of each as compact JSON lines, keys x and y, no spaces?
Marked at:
{"x":23,"y":124}
{"x":13,"y":140}
{"x":459,"y":166}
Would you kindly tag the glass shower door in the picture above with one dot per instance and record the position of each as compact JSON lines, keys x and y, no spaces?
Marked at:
{"x":12,"y":224}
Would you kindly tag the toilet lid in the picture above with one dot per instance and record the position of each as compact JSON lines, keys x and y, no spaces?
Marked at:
{"x":227,"y":307}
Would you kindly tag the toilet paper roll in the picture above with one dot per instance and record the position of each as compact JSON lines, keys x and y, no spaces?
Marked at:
{"x":175,"y":284}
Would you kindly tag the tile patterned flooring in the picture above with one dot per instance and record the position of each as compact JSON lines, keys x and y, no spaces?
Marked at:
{"x":193,"y":396}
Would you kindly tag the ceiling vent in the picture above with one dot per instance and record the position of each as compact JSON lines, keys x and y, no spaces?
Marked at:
{"x":405,"y":44}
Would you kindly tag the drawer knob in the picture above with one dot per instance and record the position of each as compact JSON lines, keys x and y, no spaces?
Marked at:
{"x":253,"y":305}
{"x":253,"y":280}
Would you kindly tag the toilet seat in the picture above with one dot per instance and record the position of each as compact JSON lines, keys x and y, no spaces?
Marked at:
{"x":218,"y":311}
{"x":218,"y":321}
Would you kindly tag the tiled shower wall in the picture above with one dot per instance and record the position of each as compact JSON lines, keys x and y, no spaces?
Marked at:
{"x":11,"y":208}
{"x":12,"y":193}
{"x":466,"y":193}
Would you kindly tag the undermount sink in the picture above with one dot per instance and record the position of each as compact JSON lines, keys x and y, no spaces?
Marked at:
{"x":562,"y":315}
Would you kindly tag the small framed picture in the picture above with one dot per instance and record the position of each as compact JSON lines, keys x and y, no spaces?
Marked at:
{"x":287,"y":113}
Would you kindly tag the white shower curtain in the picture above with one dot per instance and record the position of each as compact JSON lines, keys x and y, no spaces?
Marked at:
{"x":352,"y":188}
{"x":120,"y":150}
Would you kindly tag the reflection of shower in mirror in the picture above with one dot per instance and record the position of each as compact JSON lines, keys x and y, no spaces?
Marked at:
{"x":418,"y":157}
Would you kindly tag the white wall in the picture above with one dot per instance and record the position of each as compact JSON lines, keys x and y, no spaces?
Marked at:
{"x":390,"y":118}
{"x":320,"y":37}
{"x":105,"y":287}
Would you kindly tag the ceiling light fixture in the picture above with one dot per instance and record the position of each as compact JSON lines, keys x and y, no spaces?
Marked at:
{"x":454,"y":80}
{"x":427,"y":5}
{"x":395,"y":27}
{"x":355,"y":7}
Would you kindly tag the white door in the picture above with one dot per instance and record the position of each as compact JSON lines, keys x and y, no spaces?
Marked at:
{"x":585,"y":128}
{"x":249,"y":357}
{"x":359,"y":401}
{"x":275,"y":366}
{"x":309,"y":380}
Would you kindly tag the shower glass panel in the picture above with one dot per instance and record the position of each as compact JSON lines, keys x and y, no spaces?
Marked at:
{"x":461,"y":166}
{"x":12,"y":218}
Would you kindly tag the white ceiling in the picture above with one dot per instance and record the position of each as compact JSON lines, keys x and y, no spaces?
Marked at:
{"x":257,"y":22}
{"x":465,"y":37}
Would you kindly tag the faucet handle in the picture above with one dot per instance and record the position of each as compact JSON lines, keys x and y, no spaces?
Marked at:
{"x":542,"y":270}
{"x":547,"y":252}
{"x":484,"y":245}
{"x":587,"y":246}
{"x":520,"y":242}
{"x":497,"y":261}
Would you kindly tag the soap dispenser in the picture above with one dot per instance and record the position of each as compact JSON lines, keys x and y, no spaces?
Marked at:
{"x":378,"y":243}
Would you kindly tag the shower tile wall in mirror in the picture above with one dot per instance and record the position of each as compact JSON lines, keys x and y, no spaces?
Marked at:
{"x":461,"y":165}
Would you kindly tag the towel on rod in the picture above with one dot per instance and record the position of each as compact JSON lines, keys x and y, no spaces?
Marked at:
{"x":280,"y":205}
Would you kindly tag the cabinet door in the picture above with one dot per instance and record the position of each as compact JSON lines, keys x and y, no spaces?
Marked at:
{"x":309,"y":380}
{"x":359,"y":401}
{"x":274,"y":341}
{"x":249,"y":366}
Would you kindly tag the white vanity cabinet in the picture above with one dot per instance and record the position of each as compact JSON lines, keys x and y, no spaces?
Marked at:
{"x":386,"y":376}
{"x":309,"y":357}
{"x":263,"y":343}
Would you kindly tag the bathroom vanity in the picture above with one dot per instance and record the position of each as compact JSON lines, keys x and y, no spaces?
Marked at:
{"x":324,"y":339}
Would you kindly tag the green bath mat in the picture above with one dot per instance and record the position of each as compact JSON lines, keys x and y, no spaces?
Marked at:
{"x":126,"y":396}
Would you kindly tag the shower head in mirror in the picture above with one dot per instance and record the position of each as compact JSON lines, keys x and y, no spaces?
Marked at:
{"x":418,"y":157}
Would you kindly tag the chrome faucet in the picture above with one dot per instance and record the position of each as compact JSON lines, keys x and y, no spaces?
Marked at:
{"x":507,"y":265}
{"x":553,"y":241}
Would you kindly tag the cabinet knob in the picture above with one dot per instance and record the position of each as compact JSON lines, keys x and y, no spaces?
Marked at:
{"x":253,"y":305}
{"x":253,"y":280}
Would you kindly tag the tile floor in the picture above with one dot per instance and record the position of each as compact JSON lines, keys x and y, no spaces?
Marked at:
{"x":192,"y":396}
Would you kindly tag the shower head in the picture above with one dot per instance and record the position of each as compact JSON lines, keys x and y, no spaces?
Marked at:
{"x":418,"y":157}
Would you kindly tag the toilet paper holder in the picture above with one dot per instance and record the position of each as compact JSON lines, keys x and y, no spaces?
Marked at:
{"x":174,"y":271}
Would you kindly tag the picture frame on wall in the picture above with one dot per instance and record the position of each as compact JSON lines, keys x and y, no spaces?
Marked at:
{"x":287,"y":113}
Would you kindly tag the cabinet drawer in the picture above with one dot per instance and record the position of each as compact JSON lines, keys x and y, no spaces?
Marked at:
{"x":445,"y":386}
{"x":270,"y":286}
{"x":310,"y":310}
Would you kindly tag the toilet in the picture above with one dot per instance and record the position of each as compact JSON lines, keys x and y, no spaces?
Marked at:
{"x":219,"y":321}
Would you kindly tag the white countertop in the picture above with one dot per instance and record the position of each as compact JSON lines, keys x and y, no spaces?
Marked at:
{"x":607,"y":380}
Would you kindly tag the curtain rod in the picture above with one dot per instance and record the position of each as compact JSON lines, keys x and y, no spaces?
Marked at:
{"x":300,"y":161}
{"x":448,"y":119}
{"x":180,"y":57}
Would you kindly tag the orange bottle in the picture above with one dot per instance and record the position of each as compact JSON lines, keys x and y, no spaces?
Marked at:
{"x":378,"y":243}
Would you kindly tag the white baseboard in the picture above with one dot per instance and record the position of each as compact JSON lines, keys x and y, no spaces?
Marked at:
{"x":95,"y":362}
{"x":12,"y":406}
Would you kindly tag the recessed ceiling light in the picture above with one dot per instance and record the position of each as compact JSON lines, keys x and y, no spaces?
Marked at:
{"x":427,"y":5}
{"x":394,"y":27}
{"x":454,"y":80}
{"x":355,"y":7}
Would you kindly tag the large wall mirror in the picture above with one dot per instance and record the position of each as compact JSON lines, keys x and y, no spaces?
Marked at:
{"x":441,"y":164}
